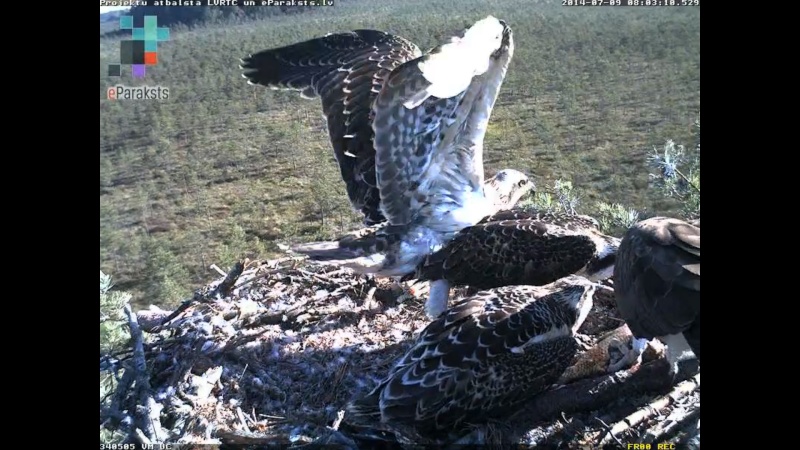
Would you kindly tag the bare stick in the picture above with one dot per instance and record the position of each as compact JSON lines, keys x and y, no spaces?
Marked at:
{"x":224,"y":288}
{"x":246,"y":438}
{"x":609,"y":432}
{"x":147,"y":410}
{"x":220,"y":271}
{"x":123,"y":386}
{"x":671,"y":425}
{"x":142,"y":438}
{"x":242,"y":419}
{"x":186,"y":304}
{"x":686,"y":179}
{"x":652,"y":409}
{"x":319,"y":277}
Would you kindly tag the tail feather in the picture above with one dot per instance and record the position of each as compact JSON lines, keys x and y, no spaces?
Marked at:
{"x":327,"y":251}
{"x":366,"y":408}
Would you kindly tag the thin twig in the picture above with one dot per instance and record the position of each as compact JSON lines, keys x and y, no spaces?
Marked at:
{"x":686,"y":179}
{"x":220,"y":271}
{"x":609,"y":432}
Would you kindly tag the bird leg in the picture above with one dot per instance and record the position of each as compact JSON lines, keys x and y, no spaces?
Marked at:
{"x":632,"y":357}
{"x":437,"y":299}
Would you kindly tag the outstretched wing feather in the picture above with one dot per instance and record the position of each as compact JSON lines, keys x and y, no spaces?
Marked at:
{"x":346,"y":70}
{"x":429,"y":149}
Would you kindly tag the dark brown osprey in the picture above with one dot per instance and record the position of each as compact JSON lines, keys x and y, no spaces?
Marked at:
{"x":481,"y":360}
{"x":657,"y":284}
{"x":515,"y":247}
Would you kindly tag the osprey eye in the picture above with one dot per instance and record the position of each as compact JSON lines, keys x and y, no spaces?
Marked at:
{"x":521,"y":183}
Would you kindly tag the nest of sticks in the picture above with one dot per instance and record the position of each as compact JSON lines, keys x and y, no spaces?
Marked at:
{"x":269,"y":354}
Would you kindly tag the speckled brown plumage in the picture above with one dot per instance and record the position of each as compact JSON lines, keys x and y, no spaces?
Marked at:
{"x":483,"y":358}
{"x":430,"y":150}
{"x":346,"y":71}
{"x":519,"y":247}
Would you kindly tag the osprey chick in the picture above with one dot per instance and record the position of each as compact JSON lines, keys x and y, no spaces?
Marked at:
{"x":481,"y":360}
{"x":516,"y":247}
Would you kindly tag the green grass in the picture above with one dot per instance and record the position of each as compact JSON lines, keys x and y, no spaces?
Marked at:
{"x":223,"y":170}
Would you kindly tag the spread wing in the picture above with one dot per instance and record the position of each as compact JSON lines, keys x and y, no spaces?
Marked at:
{"x":470,"y":363}
{"x":430,"y":149}
{"x":346,"y":70}
{"x":508,"y":252}
{"x":657,"y":277}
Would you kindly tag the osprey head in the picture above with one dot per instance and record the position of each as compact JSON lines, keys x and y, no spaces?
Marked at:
{"x":601,"y":266}
{"x":506,"y":187}
{"x":577,"y":292}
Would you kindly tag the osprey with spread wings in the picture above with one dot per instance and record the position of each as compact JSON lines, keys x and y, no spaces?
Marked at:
{"x":407,"y":130}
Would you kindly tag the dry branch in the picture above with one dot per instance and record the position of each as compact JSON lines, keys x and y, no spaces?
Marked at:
{"x":247,"y":438}
{"x":205,"y":294}
{"x":680,"y":418}
{"x":653,"y":408}
{"x":224,"y":288}
{"x":148,"y":412}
